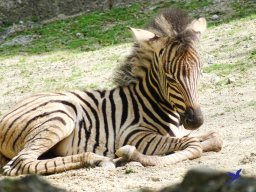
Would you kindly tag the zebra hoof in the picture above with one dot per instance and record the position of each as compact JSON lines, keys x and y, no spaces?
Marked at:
{"x":213,"y":142}
{"x":126,"y":152}
{"x":7,"y":171}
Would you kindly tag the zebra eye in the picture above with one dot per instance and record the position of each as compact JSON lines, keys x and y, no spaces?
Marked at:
{"x":161,"y":52}
{"x":170,"y":78}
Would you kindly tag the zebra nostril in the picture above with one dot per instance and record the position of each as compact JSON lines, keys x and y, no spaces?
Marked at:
{"x":193,"y":118}
{"x":190,"y":115}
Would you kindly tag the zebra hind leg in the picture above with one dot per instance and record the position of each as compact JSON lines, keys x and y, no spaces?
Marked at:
{"x":25,"y":163}
{"x":28,"y":160}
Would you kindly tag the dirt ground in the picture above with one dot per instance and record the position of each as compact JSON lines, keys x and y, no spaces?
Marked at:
{"x":229,"y":109}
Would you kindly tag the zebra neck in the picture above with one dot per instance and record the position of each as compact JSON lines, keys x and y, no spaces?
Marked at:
{"x":155,"y":107}
{"x":151,"y":85}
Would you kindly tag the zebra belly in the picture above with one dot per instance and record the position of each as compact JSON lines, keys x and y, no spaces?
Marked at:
{"x":77,"y":143}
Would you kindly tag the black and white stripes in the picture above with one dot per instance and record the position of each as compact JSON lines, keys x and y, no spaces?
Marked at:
{"x":140,"y":118}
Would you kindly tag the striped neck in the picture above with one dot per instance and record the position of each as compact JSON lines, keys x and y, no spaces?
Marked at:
{"x":150,"y":93}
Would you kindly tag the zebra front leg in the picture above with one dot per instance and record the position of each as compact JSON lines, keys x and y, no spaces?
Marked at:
{"x":211,"y":141}
{"x":154,"y":145}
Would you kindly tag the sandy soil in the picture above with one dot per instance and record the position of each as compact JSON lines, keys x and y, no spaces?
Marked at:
{"x":229,"y":109}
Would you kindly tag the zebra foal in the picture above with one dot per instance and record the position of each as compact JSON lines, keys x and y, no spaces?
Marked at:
{"x":147,"y":118}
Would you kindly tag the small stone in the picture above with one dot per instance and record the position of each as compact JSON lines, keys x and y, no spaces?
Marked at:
{"x":28,"y":183}
{"x":251,"y":38}
{"x":61,"y":16}
{"x":210,"y":59}
{"x":155,"y":179}
{"x":210,"y":78}
{"x":135,"y":164}
{"x":215,"y":17}
{"x":247,"y":46}
{"x":231,"y":80}
{"x":20,"y":40}
{"x":222,"y":113}
{"x":21,"y":22}
{"x":79,"y":35}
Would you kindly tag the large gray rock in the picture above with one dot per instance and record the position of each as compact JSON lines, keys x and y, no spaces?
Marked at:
{"x":207,"y":180}
{"x":30,"y":183}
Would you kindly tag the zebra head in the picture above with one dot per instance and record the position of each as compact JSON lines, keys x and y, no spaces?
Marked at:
{"x":176,"y":63}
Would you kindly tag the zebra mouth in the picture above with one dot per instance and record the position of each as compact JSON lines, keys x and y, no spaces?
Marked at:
{"x":192,"y":119}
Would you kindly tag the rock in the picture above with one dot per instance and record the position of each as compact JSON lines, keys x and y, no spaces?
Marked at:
{"x":210,"y":78}
{"x":215,"y":17}
{"x":80,"y":35}
{"x":134,"y":164}
{"x":27,"y":183}
{"x":208,"y":180}
{"x":231,"y":80}
{"x":155,"y":179}
{"x":62,"y":16}
{"x":20,"y":40}
{"x":210,"y":59}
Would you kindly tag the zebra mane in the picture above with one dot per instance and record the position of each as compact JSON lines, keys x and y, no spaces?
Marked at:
{"x":169,"y":23}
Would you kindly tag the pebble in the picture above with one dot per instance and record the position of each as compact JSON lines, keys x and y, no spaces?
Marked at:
{"x":61,"y":16}
{"x":215,"y":17}
{"x":210,"y":78}
{"x":20,"y":40}
{"x":155,"y":179}
{"x":231,"y":80}
{"x":210,"y":59}
{"x":135,"y":163}
{"x":79,"y":35}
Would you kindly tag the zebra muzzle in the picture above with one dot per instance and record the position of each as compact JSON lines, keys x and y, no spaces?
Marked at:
{"x":192,"y":118}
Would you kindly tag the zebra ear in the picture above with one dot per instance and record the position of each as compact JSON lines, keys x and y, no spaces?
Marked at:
{"x":142,"y":36}
{"x":198,"y":25}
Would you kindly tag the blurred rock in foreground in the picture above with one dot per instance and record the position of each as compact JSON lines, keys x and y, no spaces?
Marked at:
{"x":30,"y":183}
{"x":207,"y":180}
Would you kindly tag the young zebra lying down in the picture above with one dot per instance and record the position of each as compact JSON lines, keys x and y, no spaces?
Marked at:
{"x":147,"y":117}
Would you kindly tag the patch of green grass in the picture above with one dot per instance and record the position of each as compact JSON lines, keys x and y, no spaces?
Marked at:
{"x":252,"y":104}
{"x":129,"y":171}
{"x":226,"y":69}
{"x":76,"y":74}
{"x":241,"y":10}
{"x":103,"y":28}
{"x":253,"y":54}
{"x":94,"y":30}
{"x":244,"y":8}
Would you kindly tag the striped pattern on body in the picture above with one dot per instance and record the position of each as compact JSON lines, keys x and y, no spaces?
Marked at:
{"x":138,"y":120}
